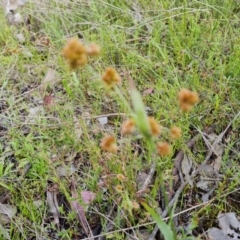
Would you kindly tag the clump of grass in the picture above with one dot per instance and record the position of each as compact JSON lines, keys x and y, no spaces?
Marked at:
{"x":147,"y":126}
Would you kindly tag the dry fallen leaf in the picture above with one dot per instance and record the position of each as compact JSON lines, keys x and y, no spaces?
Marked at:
{"x":87,"y":198}
{"x":9,"y":5}
{"x":205,"y":196}
{"x":186,"y":168}
{"x":148,"y":91}
{"x":141,"y":234}
{"x":229,"y":225}
{"x":206,"y":182}
{"x":42,"y":40}
{"x":34,"y":114}
{"x":7,"y":212}
{"x":64,"y":170}
{"x":20,"y":37}
{"x":140,"y":179}
{"x":78,"y":128}
{"x":50,"y":79}
{"x":53,"y":203}
{"x":4,"y":233}
{"x":17,"y":19}
{"x":26,"y":52}
{"x":204,"y":185}
{"x":218,"y":150}
{"x":103,"y":120}
{"x":48,"y":101}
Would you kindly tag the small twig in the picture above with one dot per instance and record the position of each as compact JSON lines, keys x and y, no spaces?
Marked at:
{"x":148,"y":178}
{"x":57,"y":125}
{"x":218,"y":139}
{"x":104,"y":115}
{"x":208,"y":144}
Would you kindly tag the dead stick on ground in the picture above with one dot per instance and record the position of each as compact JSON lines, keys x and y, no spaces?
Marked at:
{"x":149,"y":177}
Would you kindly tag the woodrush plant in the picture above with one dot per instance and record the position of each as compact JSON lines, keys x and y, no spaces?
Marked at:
{"x":76,"y":55}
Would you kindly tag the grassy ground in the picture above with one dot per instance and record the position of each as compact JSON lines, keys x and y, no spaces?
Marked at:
{"x":163,"y":46}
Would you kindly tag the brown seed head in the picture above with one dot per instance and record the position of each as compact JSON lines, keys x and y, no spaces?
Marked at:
{"x":128,"y":127}
{"x":75,"y":53}
{"x":121,"y":177}
{"x":108,"y":143}
{"x":185,"y":107}
{"x":110,"y":77}
{"x":187,"y":99}
{"x":119,"y":188}
{"x":135,"y":205}
{"x":163,"y":149}
{"x":93,"y":50}
{"x":175,"y":132}
{"x":154,"y":126}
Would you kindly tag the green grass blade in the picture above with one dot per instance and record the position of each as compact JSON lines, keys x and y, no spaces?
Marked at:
{"x":164,"y":228}
{"x":141,"y":116}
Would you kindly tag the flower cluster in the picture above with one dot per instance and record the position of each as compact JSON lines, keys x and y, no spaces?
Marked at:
{"x":119,"y":188}
{"x":163,"y":149}
{"x":77,"y":54}
{"x":121,"y":177}
{"x":108,"y":143}
{"x":187,"y":99}
{"x":128,"y":127}
{"x":175,"y":132}
{"x":111,"y":77}
{"x":154,"y":126}
{"x":93,"y":50}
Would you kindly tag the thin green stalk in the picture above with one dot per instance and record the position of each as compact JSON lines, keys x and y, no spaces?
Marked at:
{"x":77,"y":84}
{"x":119,"y":93}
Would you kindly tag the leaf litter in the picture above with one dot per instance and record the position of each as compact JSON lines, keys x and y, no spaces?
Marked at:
{"x":7,"y":212}
{"x":87,"y":198}
{"x":229,"y":227}
{"x":52,"y":201}
{"x":187,"y":164}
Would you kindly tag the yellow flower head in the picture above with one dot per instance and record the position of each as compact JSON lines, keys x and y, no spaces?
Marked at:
{"x":110,"y":77}
{"x":154,"y":126}
{"x":175,"y":132}
{"x":163,"y":149}
{"x":75,"y":53}
{"x":108,"y":143}
{"x":128,"y":127}
{"x":121,"y":177}
{"x":135,"y":205}
{"x":119,"y":188}
{"x":187,"y":99}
